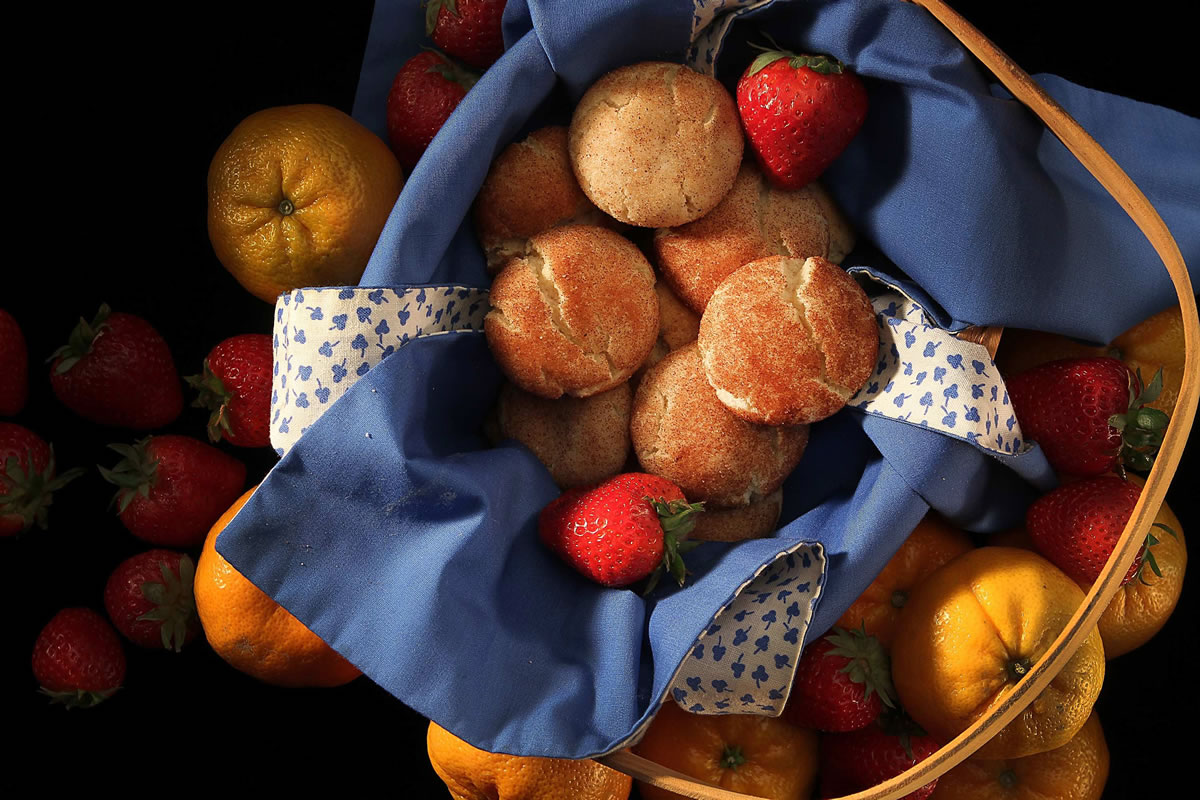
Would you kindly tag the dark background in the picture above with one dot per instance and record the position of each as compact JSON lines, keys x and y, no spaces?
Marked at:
{"x":110,"y":193}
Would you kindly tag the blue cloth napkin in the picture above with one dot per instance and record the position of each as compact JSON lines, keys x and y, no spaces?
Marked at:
{"x":393,"y":531}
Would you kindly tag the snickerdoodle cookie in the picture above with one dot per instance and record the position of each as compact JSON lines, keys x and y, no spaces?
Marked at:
{"x":754,"y":521}
{"x":682,"y":432}
{"x":575,"y":314}
{"x":530,"y":188}
{"x":656,"y":144}
{"x":754,"y":220}
{"x":787,"y":341}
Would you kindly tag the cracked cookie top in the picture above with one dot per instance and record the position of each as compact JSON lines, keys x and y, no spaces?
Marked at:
{"x":655,"y":144}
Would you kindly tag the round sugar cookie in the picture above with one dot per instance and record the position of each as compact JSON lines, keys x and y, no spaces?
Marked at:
{"x":753,"y":221}
{"x":787,"y":341}
{"x":682,"y":432}
{"x":655,"y":144}
{"x":754,"y":521}
{"x":576,"y":314}
{"x":530,"y":188}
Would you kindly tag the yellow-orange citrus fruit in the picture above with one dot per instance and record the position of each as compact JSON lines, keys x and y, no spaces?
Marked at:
{"x":1022,"y":349}
{"x":759,"y":756}
{"x":252,"y":632}
{"x":1076,"y":771}
{"x":1154,"y":343}
{"x":1140,"y":608}
{"x":931,"y":544}
{"x":297,"y":196}
{"x":474,"y":774}
{"x":971,"y":630}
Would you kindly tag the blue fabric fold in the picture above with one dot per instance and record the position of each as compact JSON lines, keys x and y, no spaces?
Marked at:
{"x":395,"y":533}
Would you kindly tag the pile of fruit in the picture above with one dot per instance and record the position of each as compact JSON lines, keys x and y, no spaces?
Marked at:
{"x":298,"y":197}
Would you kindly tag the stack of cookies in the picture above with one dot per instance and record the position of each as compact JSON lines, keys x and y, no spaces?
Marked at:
{"x":706,"y":349}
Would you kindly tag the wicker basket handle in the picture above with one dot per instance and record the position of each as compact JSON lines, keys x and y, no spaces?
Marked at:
{"x":1127,"y":194}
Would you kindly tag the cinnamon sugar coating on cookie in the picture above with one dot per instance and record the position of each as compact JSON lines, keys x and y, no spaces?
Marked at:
{"x":576,"y":314}
{"x":753,"y":221}
{"x":755,"y":521}
{"x":530,"y":188}
{"x":581,"y":441}
{"x":656,"y":144}
{"x":682,"y":432}
{"x":786,"y":341}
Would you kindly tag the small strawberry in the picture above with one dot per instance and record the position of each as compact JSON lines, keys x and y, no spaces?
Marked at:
{"x":1077,"y":525}
{"x":149,"y":599}
{"x":426,"y":91}
{"x":842,"y":683}
{"x":799,"y":112}
{"x":469,"y":30}
{"x":77,"y":658}
{"x":14,"y":366}
{"x":616,"y":534}
{"x":857,"y":760}
{"x":236,"y":387}
{"x":117,"y":370}
{"x":1088,"y":414}
{"x":27,"y":479}
{"x":173,"y":488}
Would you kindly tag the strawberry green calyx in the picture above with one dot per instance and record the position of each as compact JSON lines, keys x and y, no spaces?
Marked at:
{"x":1148,"y":554}
{"x":869,"y":663}
{"x":453,"y":71}
{"x":78,"y":698}
{"x":820,"y":64}
{"x":216,"y":398}
{"x":174,"y":602}
{"x":1142,"y":428}
{"x":897,"y":723}
{"x":79,"y":343}
{"x":677,"y":519}
{"x":432,"y":7}
{"x":28,"y":493}
{"x":135,"y":474}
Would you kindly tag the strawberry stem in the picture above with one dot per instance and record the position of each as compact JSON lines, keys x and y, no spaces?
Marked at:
{"x":1142,"y":429}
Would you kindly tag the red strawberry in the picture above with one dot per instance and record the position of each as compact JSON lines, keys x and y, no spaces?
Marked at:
{"x":78,"y":659}
{"x":236,"y":386}
{"x":842,"y":683}
{"x":1087,"y":414}
{"x":149,"y":599}
{"x":799,"y":112}
{"x":1076,"y":527}
{"x":425,"y":92}
{"x":117,"y":370}
{"x":467,"y":29}
{"x":173,"y":488}
{"x":857,"y":760}
{"x":652,"y":487}
{"x":27,"y":479}
{"x":14,"y":366}
{"x":615,"y":534}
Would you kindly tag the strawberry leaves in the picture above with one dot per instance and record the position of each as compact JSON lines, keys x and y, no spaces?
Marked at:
{"x":28,"y":493}
{"x":79,"y":343}
{"x":677,"y":519}
{"x":135,"y":474}
{"x":174,"y":602}
{"x":868,"y":662}
{"x":1141,"y":428}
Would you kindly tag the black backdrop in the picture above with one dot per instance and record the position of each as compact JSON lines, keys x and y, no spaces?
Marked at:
{"x":117,"y":115}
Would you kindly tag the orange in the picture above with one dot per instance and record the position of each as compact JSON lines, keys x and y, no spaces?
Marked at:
{"x":1021,"y":349}
{"x":474,"y":774}
{"x":760,"y":756}
{"x":1140,"y":608}
{"x":1076,"y":771}
{"x":254,"y":633}
{"x":1153,"y":343}
{"x":972,"y":629}
{"x":932,"y":543}
{"x":297,"y":196}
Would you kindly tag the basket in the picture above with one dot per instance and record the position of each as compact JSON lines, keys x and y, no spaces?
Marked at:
{"x":1086,"y":617}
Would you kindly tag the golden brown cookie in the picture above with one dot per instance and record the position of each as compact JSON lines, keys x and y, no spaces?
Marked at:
{"x":787,"y":341}
{"x":682,"y":432}
{"x":530,"y":188}
{"x":753,"y":221}
{"x":581,"y":441}
{"x":755,"y":521}
{"x":576,"y":314}
{"x":655,"y":144}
